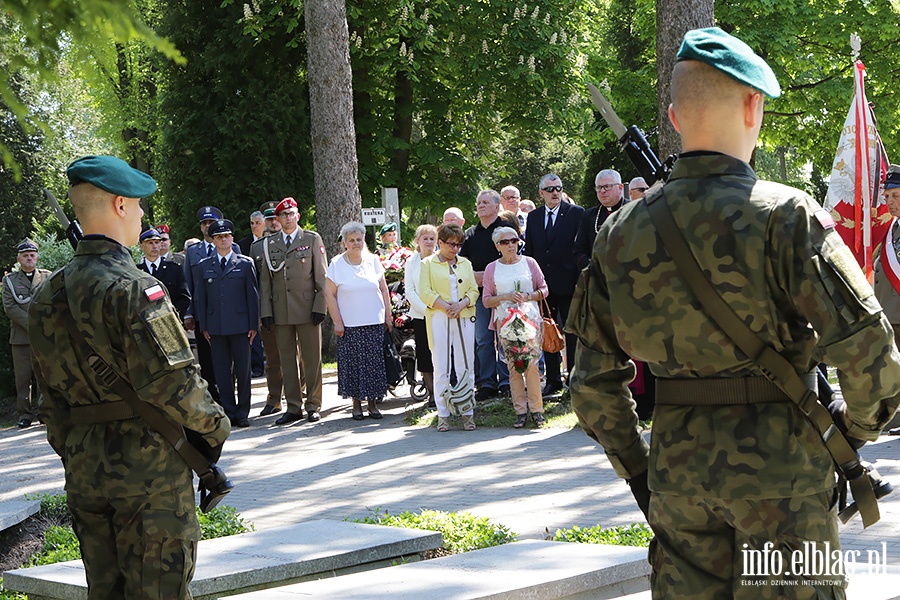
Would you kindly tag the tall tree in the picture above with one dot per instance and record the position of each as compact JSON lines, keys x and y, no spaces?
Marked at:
{"x":674,"y":18}
{"x":331,"y":115}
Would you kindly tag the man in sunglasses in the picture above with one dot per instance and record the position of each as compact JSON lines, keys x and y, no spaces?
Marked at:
{"x":637,"y":187}
{"x":551,"y":235}
{"x":610,"y":197}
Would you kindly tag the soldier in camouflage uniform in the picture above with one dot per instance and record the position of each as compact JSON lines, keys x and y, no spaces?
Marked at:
{"x":729,"y":476}
{"x":129,"y":492}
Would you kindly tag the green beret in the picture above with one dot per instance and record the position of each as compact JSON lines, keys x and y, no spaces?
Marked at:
{"x":112,"y":175}
{"x":387,"y":227}
{"x":731,"y":56}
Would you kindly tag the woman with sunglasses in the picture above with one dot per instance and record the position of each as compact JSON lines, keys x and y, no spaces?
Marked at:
{"x":516,"y":282}
{"x":448,"y":289}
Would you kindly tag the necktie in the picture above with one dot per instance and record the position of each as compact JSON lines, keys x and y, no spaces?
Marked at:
{"x":209,"y":250}
{"x":550,"y":220}
{"x":224,"y":262}
{"x":288,"y":240}
{"x":153,"y":269}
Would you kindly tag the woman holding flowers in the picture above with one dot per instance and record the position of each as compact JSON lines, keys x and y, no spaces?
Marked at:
{"x":513,"y":286}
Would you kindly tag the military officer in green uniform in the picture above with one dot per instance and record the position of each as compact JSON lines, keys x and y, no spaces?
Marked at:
{"x":747,"y":468}
{"x":18,"y":288}
{"x":129,"y":492}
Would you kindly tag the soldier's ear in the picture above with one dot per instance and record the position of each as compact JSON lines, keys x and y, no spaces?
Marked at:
{"x":673,"y":119}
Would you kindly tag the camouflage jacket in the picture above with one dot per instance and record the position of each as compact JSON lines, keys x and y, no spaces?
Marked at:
{"x":787,"y":274}
{"x":128,"y":318}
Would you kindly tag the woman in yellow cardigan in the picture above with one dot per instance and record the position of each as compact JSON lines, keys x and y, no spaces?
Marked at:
{"x":447,"y":287}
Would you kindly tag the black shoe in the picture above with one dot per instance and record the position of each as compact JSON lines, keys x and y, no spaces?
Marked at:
{"x":374,"y":414}
{"x":24,"y":423}
{"x":552,"y":389}
{"x":894,"y":431}
{"x":268,"y":409}
{"x":485,"y":393}
{"x":257,"y":374}
{"x":313,"y":416}
{"x":358,"y":416}
{"x":288,"y":417}
{"x":505,"y":391}
{"x":245,"y":422}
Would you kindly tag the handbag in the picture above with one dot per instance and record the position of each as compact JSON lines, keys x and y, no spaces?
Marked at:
{"x":554,"y":340}
{"x":459,"y":398}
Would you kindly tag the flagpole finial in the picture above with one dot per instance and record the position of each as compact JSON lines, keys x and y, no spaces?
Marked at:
{"x":855,"y":45}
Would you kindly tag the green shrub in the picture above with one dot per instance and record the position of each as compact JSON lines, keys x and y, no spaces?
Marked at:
{"x":636,"y":534}
{"x":220,"y":522}
{"x":60,"y":545}
{"x":462,"y":532}
{"x":54,"y":508}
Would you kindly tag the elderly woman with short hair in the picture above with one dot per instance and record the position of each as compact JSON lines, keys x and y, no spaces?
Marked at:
{"x":516,"y":282}
{"x":447,"y":287}
{"x":359,"y":304}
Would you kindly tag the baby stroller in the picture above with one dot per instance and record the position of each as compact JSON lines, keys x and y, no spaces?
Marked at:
{"x":405,"y":344}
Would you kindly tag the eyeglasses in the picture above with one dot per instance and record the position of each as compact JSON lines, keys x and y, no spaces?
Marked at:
{"x":552,"y":188}
{"x":607,"y":187}
{"x":508,"y":241}
{"x":638,"y":189}
{"x":510,"y":197}
{"x":452,"y":244}
{"x":290,"y":214}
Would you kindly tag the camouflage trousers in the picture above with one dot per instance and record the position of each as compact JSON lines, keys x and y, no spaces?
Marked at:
{"x":138,"y":547}
{"x":711,"y":549}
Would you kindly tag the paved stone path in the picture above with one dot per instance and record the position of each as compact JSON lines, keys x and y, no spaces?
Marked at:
{"x":532,"y":481}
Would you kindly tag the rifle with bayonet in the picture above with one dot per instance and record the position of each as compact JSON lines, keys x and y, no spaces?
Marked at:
{"x":73,"y":229}
{"x":860,"y":476}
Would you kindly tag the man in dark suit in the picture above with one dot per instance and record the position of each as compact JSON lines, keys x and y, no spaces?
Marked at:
{"x":192,"y":257}
{"x":551,"y":235}
{"x":226,"y":306}
{"x":610,"y":197}
{"x":168,"y":272}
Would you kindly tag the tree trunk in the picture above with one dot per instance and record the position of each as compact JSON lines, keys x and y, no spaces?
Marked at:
{"x":335,"y":167}
{"x":673,"y":19}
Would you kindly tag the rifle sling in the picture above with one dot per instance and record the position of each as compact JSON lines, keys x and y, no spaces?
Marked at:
{"x":152,"y":416}
{"x":773,"y":365}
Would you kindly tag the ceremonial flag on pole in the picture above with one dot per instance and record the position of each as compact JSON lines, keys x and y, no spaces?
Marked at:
{"x":855,"y":190}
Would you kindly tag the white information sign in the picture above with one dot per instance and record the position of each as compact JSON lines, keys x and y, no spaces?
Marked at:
{"x":373,"y":216}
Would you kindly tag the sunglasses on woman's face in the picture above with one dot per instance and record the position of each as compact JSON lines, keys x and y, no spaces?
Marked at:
{"x":509,"y":241}
{"x":452,"y":244}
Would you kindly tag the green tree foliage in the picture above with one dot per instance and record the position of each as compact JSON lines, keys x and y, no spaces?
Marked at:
{"x":236,"y":131}
{"x":807,"y":43}
{"x":437,"y":83}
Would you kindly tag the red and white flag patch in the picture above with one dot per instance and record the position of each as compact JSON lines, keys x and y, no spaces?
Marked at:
{"x":322,"y":249}
{"x":825,"y":219}
{"x":154,"y":293}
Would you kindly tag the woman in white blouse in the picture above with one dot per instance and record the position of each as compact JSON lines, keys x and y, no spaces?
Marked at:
{"x":424,"y":242}
{"x":359,"y":304}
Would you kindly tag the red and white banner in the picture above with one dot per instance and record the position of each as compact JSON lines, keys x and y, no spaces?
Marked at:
{"x":855,"y":191}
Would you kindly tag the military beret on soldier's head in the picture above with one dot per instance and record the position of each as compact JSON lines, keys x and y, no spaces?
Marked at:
{"x":893,"y":178}
{"x":386,"y":228}
{"x":265,"y":206}
{"x":221,"y":227}
{"x":285,"y":204}
{"x":112,"y":175}
{"x":163,"y":228}
{"x":731,"y":56}
{"x":209,"y":213}
{"x":26,"y":245}
{"x":150,"y":234}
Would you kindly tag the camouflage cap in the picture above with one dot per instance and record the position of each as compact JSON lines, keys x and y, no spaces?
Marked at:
{"x":221,"y":227}
{"x":112,"y":175}
{"x":893,"y":178}
{"x":150,"y":234}
{"x":731,"y":56}
{"x":26,"y":245}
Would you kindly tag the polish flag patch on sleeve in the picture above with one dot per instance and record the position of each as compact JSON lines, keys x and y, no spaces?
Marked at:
{"x":322,"y":249}
{"x":154,"y":293}
{"x":825,"y":219}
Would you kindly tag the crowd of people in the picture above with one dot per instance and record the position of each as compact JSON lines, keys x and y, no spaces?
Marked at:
{"x":255,"y":305}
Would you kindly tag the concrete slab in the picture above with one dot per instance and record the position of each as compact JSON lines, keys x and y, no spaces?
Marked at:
{"x":531,"y":569}
{"x":258,"y":560}
{"x":13,"y":512}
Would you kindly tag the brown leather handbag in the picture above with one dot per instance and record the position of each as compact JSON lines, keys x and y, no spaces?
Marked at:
{"x":554,"y":340}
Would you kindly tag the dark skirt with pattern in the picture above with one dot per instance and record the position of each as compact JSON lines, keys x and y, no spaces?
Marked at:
{"x":360,"y":362}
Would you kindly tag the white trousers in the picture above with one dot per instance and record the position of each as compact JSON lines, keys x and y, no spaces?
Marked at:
{"x":440,"y":357}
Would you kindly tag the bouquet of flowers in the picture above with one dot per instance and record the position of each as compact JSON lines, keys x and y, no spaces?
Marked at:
{"x":394,"y":262}
{"x":519,"y":329}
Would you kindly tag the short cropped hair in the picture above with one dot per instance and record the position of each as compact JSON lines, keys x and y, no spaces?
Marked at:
{"x":501,"y":231}
{"x":352,"y":227}
{"x":451,"y":232}
{"x":608,"y":173}
{"x":549,"y":177}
